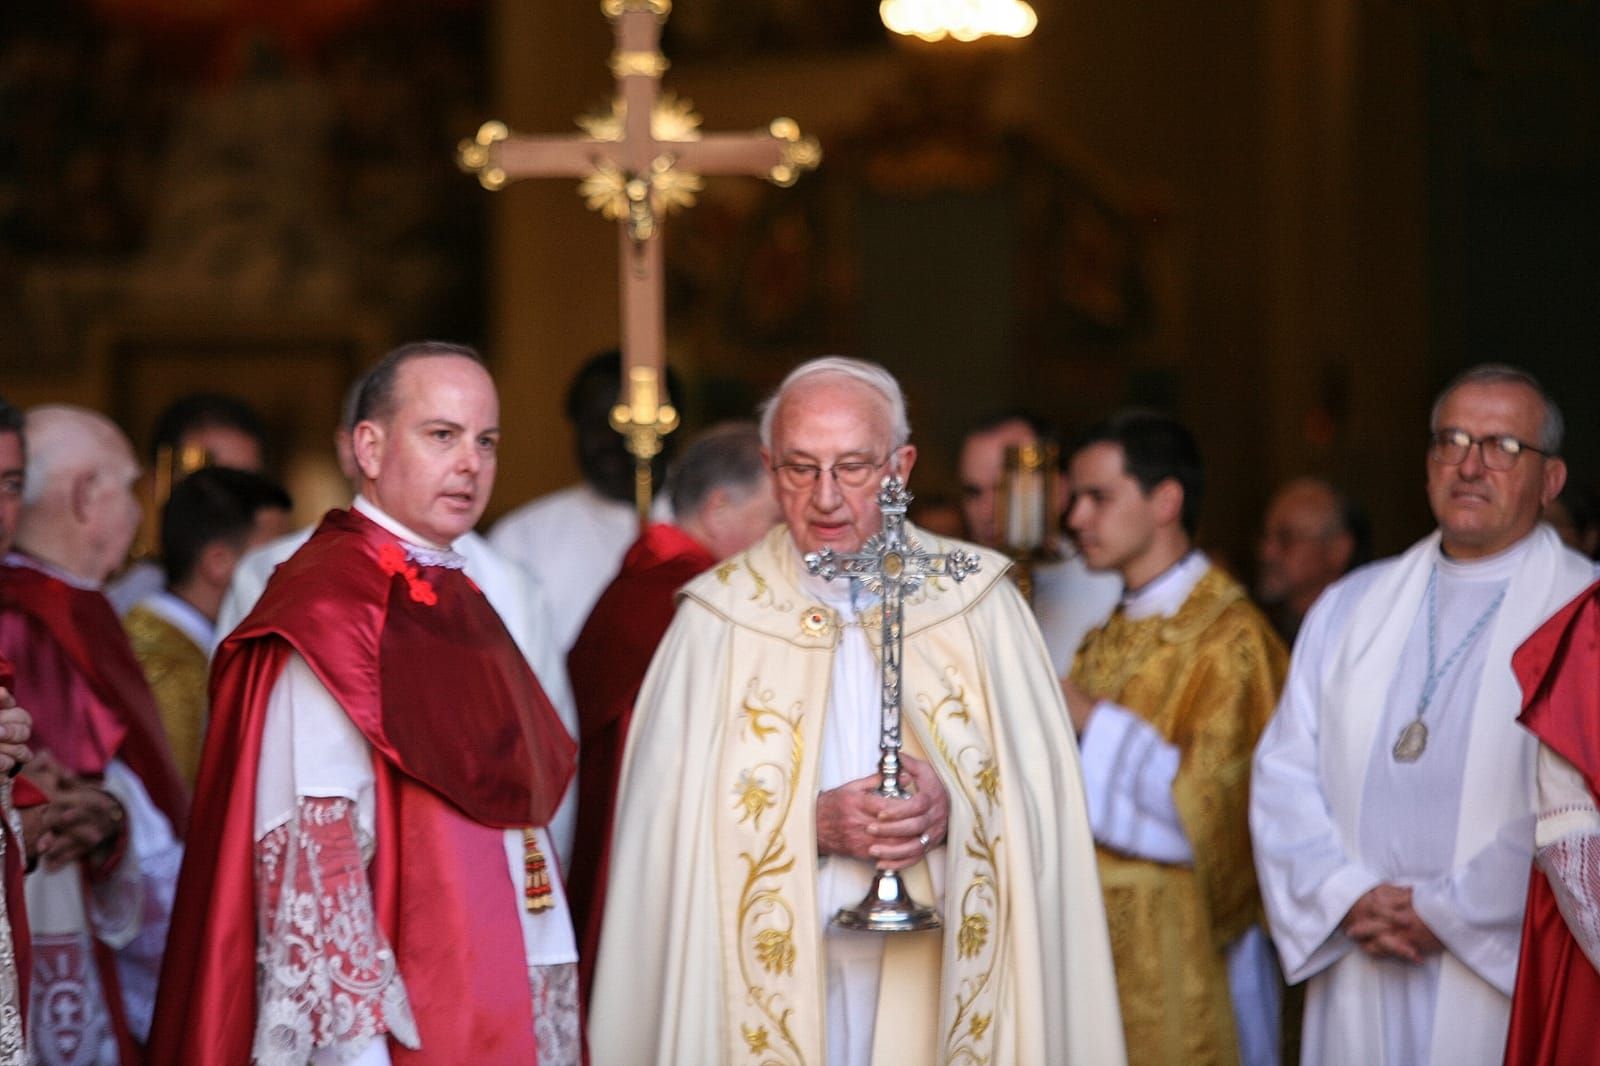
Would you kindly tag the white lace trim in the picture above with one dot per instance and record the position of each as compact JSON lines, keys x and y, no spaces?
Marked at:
{"x":1572,"y":865}
{"x":326,"y":973}
{"x":13,"y":1044}
{"x":555,"y":1014}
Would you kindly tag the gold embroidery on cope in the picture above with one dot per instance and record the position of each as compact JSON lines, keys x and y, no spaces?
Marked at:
{"x":981,"y":926}
{"x":766,"y":919}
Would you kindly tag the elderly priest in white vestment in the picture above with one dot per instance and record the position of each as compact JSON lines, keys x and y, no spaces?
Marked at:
{"x":746,"y":817}
{"x":1393,"y":798}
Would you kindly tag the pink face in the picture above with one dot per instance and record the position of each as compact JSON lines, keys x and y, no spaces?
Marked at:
{"x":832,"y":419}
{"x":112,"y":512}
{"x":12,"y":466}
{"x":982,"y":465}
{"x":1114,"y":520}
{"x":225,"y":446}
{"x":430,"y":466}
{"x":1482,"y":511}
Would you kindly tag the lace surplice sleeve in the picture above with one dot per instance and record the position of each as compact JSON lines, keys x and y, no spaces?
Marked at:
{"x":328,"y":986}
{"x":1567,"y":839}
{"x":1567,"y":842}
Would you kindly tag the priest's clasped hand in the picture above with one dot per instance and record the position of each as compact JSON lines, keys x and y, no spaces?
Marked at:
{"x":854,"y":820}
{"x":1385,"y":924}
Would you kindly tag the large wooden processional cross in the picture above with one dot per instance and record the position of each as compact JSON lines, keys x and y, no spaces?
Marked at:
{"x":639,"y":161}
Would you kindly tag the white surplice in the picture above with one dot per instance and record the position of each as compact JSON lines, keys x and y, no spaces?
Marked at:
{"x":1333,"y":814}
{"x":1128,"y":772}
{"x":1069,"y":599}
{"x":516,"y":596}
{"x":573,"y":541}
{"x":310,"y":749}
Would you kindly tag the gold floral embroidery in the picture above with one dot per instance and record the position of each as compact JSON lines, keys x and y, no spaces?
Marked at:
{"x":775,"y":949}
{"x":975,"y":773}
{"x":726,"y":570}
{"x":766,"y":919}
{"x":756,"y":1038}
{"x":988,"y":778}
{"x":754,"y":797}
{"x":973,"y":936}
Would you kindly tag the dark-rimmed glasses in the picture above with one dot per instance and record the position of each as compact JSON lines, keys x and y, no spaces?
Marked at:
{"x":1500,"y":451}
{"x":850,"y":474}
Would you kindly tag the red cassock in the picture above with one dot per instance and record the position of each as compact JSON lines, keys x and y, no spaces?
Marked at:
{"x":607,"y":664}
{"x":465,"y":744}
{"x":1555,"y":1008}
{"x":77,"y":675}
{"x":24,"y":794}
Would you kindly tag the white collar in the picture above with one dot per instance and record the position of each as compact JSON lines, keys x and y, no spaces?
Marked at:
{"x":181,"y":615}
{"x":1497,"y":567}
{"x":1165,"y":595}
{"x":32,"y":563}
{"x":419,"y":548}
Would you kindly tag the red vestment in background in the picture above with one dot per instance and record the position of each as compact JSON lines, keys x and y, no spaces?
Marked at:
{"x":465,"y":744}
{"x":23,"y":794}
{"x":1555,"y":1008}
{"x":77,"y":675}
{"x":607,"y":664}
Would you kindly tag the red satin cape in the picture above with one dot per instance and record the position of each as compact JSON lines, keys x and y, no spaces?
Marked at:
{"x":607,"y":665}
{"x":1555,"y":1008}
{"x":122,"y":720}
{"x":465,"y":744}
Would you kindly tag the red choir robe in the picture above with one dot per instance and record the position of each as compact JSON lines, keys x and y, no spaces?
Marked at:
{"x":465,"y":744}
{"x":24,"y":794}
{"x":77,"y":675}
{"x":607,"y":664}
{"x":1555,"y":1008}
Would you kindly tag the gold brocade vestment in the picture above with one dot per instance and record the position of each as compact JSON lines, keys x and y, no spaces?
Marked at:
{"x":1207,"y":678}
{"x":179,"y":673}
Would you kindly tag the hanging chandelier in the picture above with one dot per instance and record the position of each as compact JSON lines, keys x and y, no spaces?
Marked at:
{"x":962,"y":20}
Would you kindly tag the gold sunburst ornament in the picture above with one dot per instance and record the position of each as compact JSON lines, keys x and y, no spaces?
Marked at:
{"x":672,"y":118}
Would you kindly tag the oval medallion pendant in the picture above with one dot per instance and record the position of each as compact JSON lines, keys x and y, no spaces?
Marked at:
{"x":1413,"y":739}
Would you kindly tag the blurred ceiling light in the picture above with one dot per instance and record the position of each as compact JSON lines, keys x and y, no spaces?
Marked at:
{"x":965,"y":20}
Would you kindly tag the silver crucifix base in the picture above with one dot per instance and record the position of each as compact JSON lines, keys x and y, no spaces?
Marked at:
{"x":888,"y":908}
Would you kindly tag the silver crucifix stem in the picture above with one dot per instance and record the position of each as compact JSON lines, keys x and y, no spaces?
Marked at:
{"x":891,"y":565}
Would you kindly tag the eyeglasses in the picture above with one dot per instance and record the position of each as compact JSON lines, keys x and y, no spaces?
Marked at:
{"x":1500,"y":452}
{"x":851,"y":474}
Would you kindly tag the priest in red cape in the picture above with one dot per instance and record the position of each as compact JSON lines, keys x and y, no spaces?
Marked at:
{"x":366,"y":878}
{"x":1555,"y":1008}
{"x":99,"y":901}
{"x":723,"y":503}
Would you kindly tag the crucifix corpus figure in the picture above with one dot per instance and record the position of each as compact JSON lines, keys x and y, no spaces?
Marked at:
{"x":891,"y":564}
{"x":640,"y":160}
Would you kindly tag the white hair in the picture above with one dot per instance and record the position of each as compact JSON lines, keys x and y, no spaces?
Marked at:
{"x":871,"y":375}
{"x":61,"y":440}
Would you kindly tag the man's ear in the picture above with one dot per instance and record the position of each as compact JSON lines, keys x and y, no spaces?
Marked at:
{"x":903,"y":459}
{"x":366,"y":441}
{"x":82,"y":496}
{"x":217,"y":562}
{"x":1167,"y":497}
{"x":1555,"y":479}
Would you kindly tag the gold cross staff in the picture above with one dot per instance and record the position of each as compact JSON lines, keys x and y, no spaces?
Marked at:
{"x":639,"y":161}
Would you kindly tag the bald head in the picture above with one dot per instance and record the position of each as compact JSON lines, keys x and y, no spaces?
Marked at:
{"x":1307,"y":543}
{"x":79,"y":510}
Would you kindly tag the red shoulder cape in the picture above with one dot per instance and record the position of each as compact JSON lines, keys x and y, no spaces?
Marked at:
{"x":1553,"y":1008}
{"x":464,"y":744}
{"x":607,"y":665}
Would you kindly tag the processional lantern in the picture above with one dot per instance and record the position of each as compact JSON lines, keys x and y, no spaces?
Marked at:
{"x":640,"y":159}
{"x":1026,"y":509}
